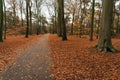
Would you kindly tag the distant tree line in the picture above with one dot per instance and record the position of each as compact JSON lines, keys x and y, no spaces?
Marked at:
{"x":74,"y":17}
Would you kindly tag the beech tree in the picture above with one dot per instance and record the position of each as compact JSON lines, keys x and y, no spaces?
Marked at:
{"x":5,"y":20}
{"x":63,"y":25}
{"x":27,"y":18}
{"x":92,"y":21}
{"x":52,"y":9}
{"x":104,"y":42}
{"x":61,"y":19}
{"x":21,"y":3}
{"x":59,"y":29}
{"x":30,"y":15}
{"x":14,"y":7}
{"x":1,"y":20}
{"x":71,"y":7}
{"x":38,"y":7}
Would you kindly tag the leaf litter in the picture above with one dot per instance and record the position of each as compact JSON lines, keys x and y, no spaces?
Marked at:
{"x":11,"y":46}
{"x":76,"y":59}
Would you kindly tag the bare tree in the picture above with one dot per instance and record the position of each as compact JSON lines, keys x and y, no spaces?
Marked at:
{"x":21,"y":2}
{"x":71,"y":7}
{"x":52,"y":9}
{"x":38,"y":7}
{"x":13,"y":4}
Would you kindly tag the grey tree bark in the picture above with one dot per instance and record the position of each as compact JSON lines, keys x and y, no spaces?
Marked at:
{"x":30,"y":13}
{"x":104,"y":42}
{"x":5,"y":22}
{"x":21,"y":11}
{"x":73,"y":21}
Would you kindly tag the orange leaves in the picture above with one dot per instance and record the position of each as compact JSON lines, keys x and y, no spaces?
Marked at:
{"x":10,"y":48}
{"x":75,"y":59}
{"x":1,"y":65}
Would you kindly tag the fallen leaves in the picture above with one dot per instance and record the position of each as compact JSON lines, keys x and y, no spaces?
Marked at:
{"x":76,"y":59}
{"x":9,"y":48}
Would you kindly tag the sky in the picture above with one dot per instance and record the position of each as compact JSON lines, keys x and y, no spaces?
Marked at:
{"x":44,"y":10}
{"x":46,"y":13}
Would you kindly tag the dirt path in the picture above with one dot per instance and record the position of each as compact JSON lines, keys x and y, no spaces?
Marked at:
{"x":31,"y":64}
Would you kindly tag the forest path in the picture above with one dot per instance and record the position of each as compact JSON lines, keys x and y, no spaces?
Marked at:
{"x":31,"y":64}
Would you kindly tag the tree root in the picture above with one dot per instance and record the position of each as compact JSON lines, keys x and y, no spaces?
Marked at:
{"x":106,"y":49}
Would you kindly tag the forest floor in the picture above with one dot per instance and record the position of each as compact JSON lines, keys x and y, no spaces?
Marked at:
{"x":31,"y":64}
{"x":75,"y":59}
{"x":11,"y":46}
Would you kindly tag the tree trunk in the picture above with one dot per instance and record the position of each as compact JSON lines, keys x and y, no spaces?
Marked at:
{"x":30,"y":19}
{"x":1,"y":21}
{"x":55,"y":20}
{"x":118,"y":25}
{"x":59,"y":19}
{"x":40,"y":26}
{"x":80,"y":19}
{"x":104,"y":43}
{"x":99,"y":21}
{"x":113,"y":18}
{"x":27,"y":19}
{"x":5,"y":27}
{"x":21,"y":11}
{"x":37,"y":28}
{"x":92,"y":21}
{"x":14,"y":12}
{"x":21,"y":18}
{"x":64,"y":36}
{"x":72,"y":21}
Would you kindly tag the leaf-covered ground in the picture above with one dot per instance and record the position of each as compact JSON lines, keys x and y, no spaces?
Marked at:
{"x":76,"y":59}
{"x":31,"y":64}
{"x":9,"y":48}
